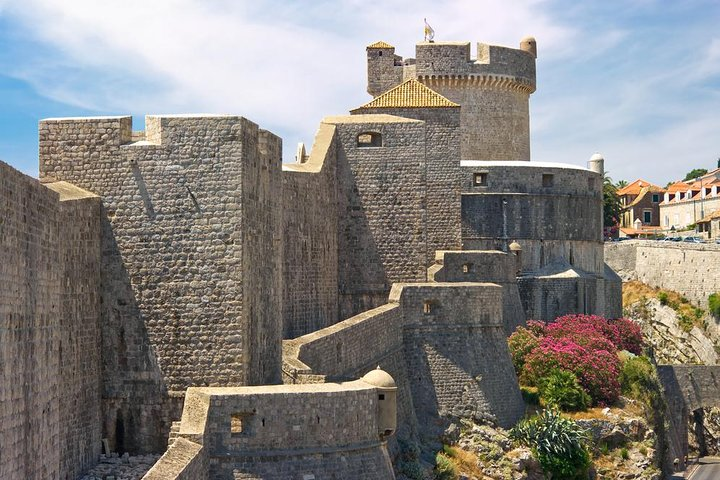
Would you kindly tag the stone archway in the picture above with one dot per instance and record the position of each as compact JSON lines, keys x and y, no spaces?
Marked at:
{"x":688,"y":390}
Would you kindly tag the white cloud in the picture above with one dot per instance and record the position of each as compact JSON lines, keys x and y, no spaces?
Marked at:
{"x":609,"y":79}
{"x":284,"y":66}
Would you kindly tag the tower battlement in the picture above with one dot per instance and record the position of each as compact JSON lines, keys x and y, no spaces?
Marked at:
{"x":493,"y":65}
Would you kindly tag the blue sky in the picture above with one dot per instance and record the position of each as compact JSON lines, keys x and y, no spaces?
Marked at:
{"x":637,"y":80}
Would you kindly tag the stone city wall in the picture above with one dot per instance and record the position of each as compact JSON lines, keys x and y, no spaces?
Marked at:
{"x":49,"y":331}
{"x":190,"y":254}
{"x":494,"y":118}
{"x":689,"y":269}
{"x":310,"y":239}
{"x":484,"y":266}
{"x":350,"y":348}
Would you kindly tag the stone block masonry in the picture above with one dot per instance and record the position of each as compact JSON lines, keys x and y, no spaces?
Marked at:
{"x":190,"y":267}
{"x":329,"y":430}
{"x":310,"y":238}
{"x":50,"y":422}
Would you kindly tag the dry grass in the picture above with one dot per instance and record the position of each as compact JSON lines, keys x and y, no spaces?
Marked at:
{"x":688,"y":314}
{"x":466,"y":463}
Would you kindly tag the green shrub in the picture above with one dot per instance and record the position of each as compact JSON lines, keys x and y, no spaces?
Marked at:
{"x":521,"y":342}
{"x":624,"y":454}
{"x":530,"y":395}
{"x":685,"y":322}
{"x":663,"y":297}
{"x":714,"y":304}
{"x":561,"y":389}
{"x":636,"y":377}
{"x":444,"y":468}
{"x":558,"y":443}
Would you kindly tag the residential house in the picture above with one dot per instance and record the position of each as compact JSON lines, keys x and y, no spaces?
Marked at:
{"x":687,"y":203}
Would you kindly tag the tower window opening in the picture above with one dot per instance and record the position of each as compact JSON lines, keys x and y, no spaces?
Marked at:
{"x":467,"y":267}
{"x":427,"y":307}
{"x":480,"y":179}
{"x":591,"y":183}
{"x":547,"y":180}
{"x":380,"y":53}
{"x":381,"y":396}
{"x":369,"y":139}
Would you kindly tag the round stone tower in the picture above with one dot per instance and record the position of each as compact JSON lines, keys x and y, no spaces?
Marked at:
{"x":492,"y":89}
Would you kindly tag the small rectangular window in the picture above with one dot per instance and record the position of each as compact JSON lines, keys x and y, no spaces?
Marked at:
{"x":647,"y":216}
{"x":547,"y":180}
{"x":591,"y":183}
{"x":480,"y":179}
{"x":656,"y":198}
{"x":239,"y":424}
{"x":381,"y":396}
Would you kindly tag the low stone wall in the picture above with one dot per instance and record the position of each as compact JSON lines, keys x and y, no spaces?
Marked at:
{"x":183,"y":460}
{"x":326,"y":430}
{"x":689,"y":269}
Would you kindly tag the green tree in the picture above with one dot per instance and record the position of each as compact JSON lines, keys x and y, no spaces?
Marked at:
{"x":694,"y":173}
{"x":621,"y":184}
{"x":611,"y":203}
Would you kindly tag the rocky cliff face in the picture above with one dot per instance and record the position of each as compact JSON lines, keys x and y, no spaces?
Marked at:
{"x":672,"y":344}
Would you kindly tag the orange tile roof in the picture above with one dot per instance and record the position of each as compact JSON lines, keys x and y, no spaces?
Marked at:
{"x":635,"y":187}
{"x":380,"y":44}
{"x":678,"y":187}
{"x":409,"y":94}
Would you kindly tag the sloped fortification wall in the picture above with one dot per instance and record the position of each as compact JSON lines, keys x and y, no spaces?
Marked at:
{"x":691,"y":270}
{"x":310,"y":239}
{"x":451,"y":361}
{"x":190,"y":255}
{"x":49,"y":331}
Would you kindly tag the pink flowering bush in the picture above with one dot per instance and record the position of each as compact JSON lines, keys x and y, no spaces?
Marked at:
{"x":585,"y":345}
{"x":596,"y":370}
{"x":631,"y":337}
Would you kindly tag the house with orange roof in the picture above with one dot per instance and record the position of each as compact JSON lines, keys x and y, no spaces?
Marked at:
{"x":688,"y":203}
{"x":640,"y":201}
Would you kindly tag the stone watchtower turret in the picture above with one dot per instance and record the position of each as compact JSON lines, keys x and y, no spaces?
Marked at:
{"x":492,"y":89}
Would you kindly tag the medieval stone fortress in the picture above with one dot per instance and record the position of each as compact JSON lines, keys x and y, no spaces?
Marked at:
{"x":181,"y":290}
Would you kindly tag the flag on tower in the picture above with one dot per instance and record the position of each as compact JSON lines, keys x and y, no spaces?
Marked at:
{"x":429,"y":32}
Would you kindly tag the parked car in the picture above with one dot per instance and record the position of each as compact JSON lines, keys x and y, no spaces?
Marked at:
{"x":693,"y":240}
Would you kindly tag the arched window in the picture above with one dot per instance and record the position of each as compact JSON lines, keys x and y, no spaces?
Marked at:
{"x":369,"y":139}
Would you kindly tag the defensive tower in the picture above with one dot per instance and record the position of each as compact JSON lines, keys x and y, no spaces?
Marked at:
{"x":493,"y":90}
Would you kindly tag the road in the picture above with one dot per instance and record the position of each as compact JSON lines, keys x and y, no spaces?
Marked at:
{"x":709,"y":469}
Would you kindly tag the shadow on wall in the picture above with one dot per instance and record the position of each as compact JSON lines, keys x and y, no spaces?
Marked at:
{"x":362,"y":277}
{"x":137,"y":410}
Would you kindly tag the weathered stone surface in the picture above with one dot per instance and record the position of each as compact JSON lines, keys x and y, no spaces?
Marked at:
{"x":50,"y":422}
